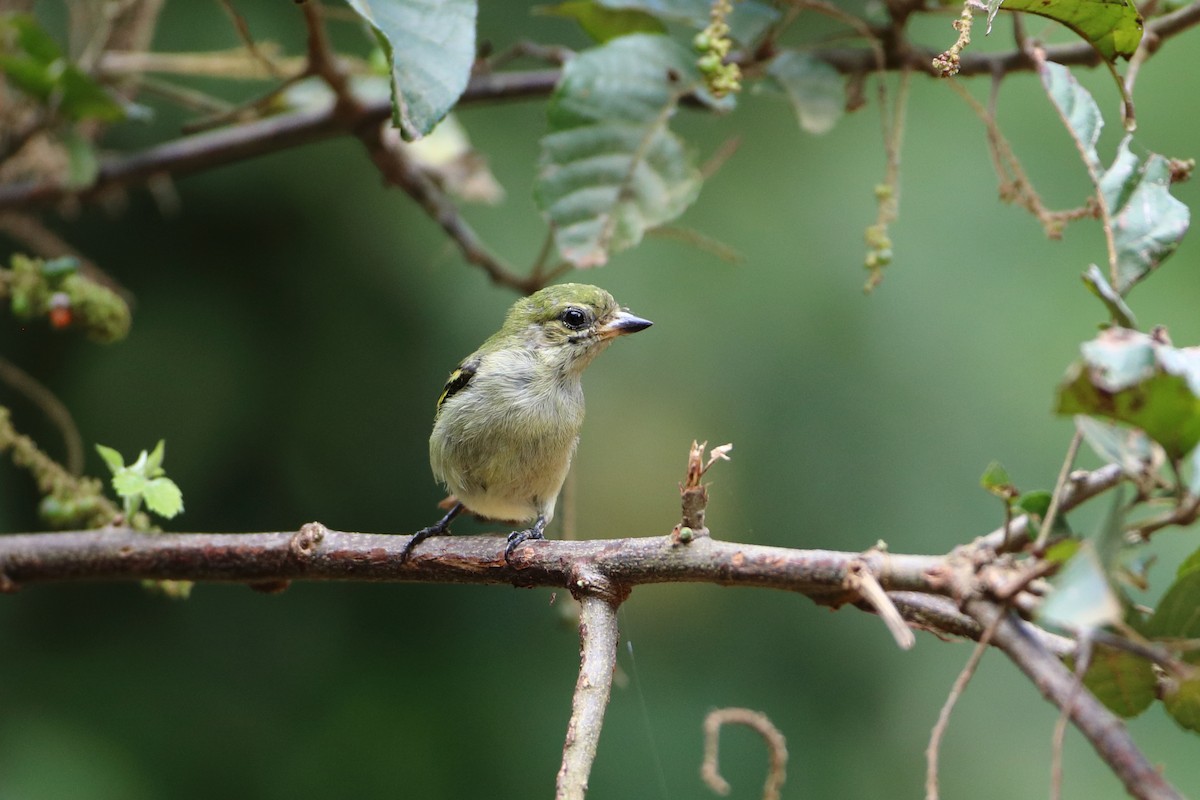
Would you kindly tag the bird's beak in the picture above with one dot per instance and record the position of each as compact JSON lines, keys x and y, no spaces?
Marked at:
{"x":622,"y":323}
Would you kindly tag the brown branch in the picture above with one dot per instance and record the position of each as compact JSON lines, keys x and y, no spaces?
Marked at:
{"x":315,"y":553}
{"x":255,"y":139}
{"x":760,"y":724}
{"x":388,"y":153}
{"x":598,"y":638}
{"x":1100,"y":726}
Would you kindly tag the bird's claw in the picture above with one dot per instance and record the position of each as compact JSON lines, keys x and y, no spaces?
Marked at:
{"x":517,"y":537}
{"x":436,"y":529}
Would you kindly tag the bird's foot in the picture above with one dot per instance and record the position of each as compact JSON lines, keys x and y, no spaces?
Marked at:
{"x":438,"y":528}
{"x":517,"y":537}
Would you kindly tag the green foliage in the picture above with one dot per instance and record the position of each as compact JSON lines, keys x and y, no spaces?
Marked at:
{"x":56,"y":290}
{"x":1083,"y":598}
{"x":749,"y":20}
{"x":1182,"y":701}
{"x":32,"y":62}
{"x":143,"y":481}
{"x":1138,"y":379}
{"x":1113,"y":27}
{"x":815,"y":89}
{"x":602,"y":22}
{"x":1124,"y":682}
{"x":996,"y":481}
{"x":1177,"y":615}
{"x":1118,"y":444}
{"x":610,"y":168}
{"x":1098,"y":285}
{"x":430,"y":48}
{"x":1176,"y":619}
{"x":1147,"y":222}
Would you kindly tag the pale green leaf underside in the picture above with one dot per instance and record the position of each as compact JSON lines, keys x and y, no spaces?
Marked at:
{"x":814,"y":88}
{"x":610,"y":169}
{"x":1148,"y":223}
{"x":1077,"y":108}
{"x":430,"y":46}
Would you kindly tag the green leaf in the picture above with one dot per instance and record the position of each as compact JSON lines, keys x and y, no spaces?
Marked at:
{"x":748,"y":22}
{"x":1062,"y":551}
{"x":1113,"y":27}
{"x":815,"y":89}
{"x":155,"y":460}
{"x":1037,"y":503}
{"x":84,"y":98}
{"x":690,"y":12}
{"x":112,"y":458}
{"x":610,"y":169}
{"x":1189,"y":564}
{"x":82,"y":164}
{"x":1182,"y":701}
{"x":1177,"y":615}
{"x":163,"y":497}
{"x":31,"y":37}
{"x":602,"y":23}
{"x":1125,"y":683}
{"x":995,"y":480}
{"x":1078,"y":110}
{"x":1098,"y":285}
{"x":1147,"y":221}
{"x":430,"y":47}
{"x":128,"y":483}
{"x":36,"y":66}
{"x":1132,"y":377}
{"x":1130,"y":448}
{"x":1082,"y":599}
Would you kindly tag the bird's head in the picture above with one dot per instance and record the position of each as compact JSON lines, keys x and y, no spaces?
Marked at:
{"x":569,"y":321}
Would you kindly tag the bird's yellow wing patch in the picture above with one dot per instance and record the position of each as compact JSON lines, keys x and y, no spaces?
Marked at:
{"x":458,"y":381}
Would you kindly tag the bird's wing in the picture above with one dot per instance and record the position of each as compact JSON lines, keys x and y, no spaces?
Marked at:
{"x":458,"y":380}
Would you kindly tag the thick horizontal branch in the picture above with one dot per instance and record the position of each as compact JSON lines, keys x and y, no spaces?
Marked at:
{"x":316,"y":553}
{"x":253,"y":139}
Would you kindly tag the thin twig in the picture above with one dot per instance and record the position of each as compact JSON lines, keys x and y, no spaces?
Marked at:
{"x":943,"y":720}
{"x":54,"y":409}
{"x":1080,"y":487}
{"x":863,"y":583}
{"x":252,"y":48}
{"x":758,"y":722}
{"x":1083,"y":658}
{"x":1057,"y":684}
{"x":1057,"y":497}
{"x":387,"y":152}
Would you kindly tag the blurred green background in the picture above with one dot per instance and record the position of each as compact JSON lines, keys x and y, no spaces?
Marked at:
{"x":294,"y":324}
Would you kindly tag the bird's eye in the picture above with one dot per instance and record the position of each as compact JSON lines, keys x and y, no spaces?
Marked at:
{"x":574,"y":318}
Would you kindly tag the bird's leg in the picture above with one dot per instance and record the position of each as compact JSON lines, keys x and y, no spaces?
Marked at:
{"x":436,"y":529}
{"x":516,"y":537}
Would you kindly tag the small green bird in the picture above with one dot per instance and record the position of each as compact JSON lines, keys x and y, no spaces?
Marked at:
{"x":509,"y":417}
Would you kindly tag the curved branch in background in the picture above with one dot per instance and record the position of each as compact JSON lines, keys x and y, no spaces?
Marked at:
{"x":710,"y":769}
